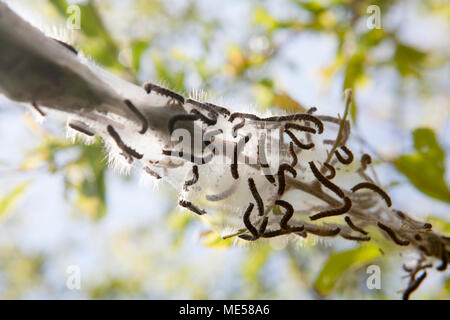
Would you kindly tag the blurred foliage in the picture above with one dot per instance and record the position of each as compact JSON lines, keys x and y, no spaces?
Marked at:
{"x":426,"y":167}
{"x":241,"y":62}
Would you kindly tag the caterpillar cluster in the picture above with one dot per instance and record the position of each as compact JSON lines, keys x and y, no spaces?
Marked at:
{"x":284,"y":167}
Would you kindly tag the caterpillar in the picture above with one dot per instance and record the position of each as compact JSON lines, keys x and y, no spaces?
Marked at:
{"x":279,"y":232}
{"x":327,"y":183}
{"x":78,"y":126}
{"x":188,"y":205}
{"x":138,"y":114}
{"x":414,"y":285}
{"x":296,"y":117}
{"x":338,"y":122}
{"x":149,"y":87}
{"x":248,"y":224}
{"x":293,"y":154}
{"x":323,"y":232}
{"x":204,"y":106}
{"x":152,"y":173}
{"x":288,"y":214}
{"x":67,"y":46}
{"x":355,"y":238}
{"x":249,"y":116}
{"x":373,"y":187}
{"x":365,"y":161}
{"x":298,"y":127}
{"x":189,"y":157}
{"x":444,"y":257}
{"x":126,"y":149}
{"x":334,"y":212}
{"x":219,"y":109}
{"x":181,"y":117}
{"x":270,"y":178}
{"x":204,"y":119}
{"x":236,"y":151}
{"x":353,"y":226}
{"x":311,"y":110}
{"x":256,"y":196}
{"x":236,"y":127}
{"x":281,"y":178}
{"x":39,"y":110}
{"x":263,"y":226}
{"x":298,"y":142}
{"x":194,"y":179}
{"x":331,"y":169}
{"x":392,"y":234}
{"x":343,"y":160}
{"x":261,"y":153}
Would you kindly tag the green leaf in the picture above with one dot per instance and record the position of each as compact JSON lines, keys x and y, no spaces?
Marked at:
{"x":11,"y":199}
{"x":425,"y":168}
{"x":341,"y":262}
{"x":408,"y":60}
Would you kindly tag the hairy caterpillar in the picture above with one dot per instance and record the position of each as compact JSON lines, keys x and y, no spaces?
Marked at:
{"x":331,"y":169}
{"x":190,"y":157}
{"x":249,"y":116}
{"x":327,"y":183}
{"x":149,"y":87}
{"x":343,"y":160}
{"x":392,"y":234}
{"x":354,"y":238}
{"x":288,"y":214}
{"x":248,"y":224}
{"x":293,"y":154}
{"x":282,"y":179}
{"x":78,"y":126}
{"x":414,"y":285}
{"x":321,"y":231}
{"x":297,"y":117}
{"x":334,"y":212}
{"x":350,"y":223}
{"x":236,"y":151}
{"x":126,"y":149}
{"x":365,"y":161}
{"x":39,"y":110}
{"x":256,"y":196}
{"x":138,"y":114}
{"x":373,"y":187}
{"x":188,"y":205}
{"x":300,"y":144}
{"x":67,"y":46}
{"x":203,"y":118}
{"x":261,"y":153}
{"x":181,"y":117}
{"x":298,"y":127}
{"x":236,"y":127}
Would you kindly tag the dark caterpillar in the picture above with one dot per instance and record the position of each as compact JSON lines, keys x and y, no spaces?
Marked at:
{"x":298,"y":127}
{"x":219,"y":109}
{"x":355,"y":238}
{"x":297,"y":117}
{"x":288,"y":214}
{"x":281,"y":177}
{"x":323,"y":232}
{"x":249,"y":116}
{"x":188,"y":205}
{"x":152,"y":173}
{"x":373,"y":187}
{"x":331,"y":169}
{"x":248,"y":224}
{"x":204,"y":119}
{"x":343,"y":160}
{"x":270,"y":178}
{"x":256,"y":196}
{"x":298,"y":142}
{"x":293,"y":154}
{"x":392,"y":234}
{"x":78,"y":126}
{"x":334,"y":212}
{"x":149,"y":87}
{"x":327,"y":183}
{"x":236,"y":151}
{"x":279,"y":232}
{"x":354,"y":227}
{"x":126,"y":149}
{"x":414,"y":285}
{"x":194,"y":179}
{"x":138,"y":114}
